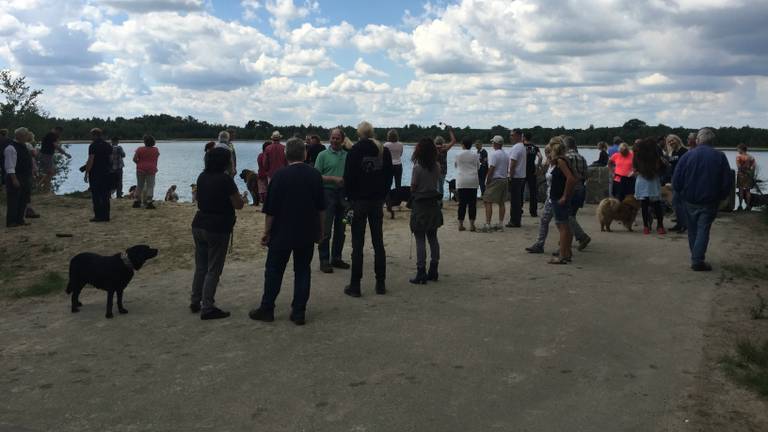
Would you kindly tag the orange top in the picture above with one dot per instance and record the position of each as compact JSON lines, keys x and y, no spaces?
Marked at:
{"x":623,"y":165}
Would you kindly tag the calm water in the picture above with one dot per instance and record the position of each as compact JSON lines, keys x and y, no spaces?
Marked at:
{"x":182,"y":161}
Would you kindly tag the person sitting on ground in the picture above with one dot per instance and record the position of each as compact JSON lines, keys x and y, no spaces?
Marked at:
{"x":745,"y":176}
{"x":602,"y":160}
{"x":467,"y":164}
{"x":217,"y":200}
{"x":367,"y":180}
{"x":623,"y":172}
{"x":561,"y":194}
{"x":294,"y":212}
{"x":171,"y":195}
{"x":496,"y":189}
{"x":546,"y":216}
{"x":703,"y":178}
{"x":649,"y":168}
{"x":426,"y":214}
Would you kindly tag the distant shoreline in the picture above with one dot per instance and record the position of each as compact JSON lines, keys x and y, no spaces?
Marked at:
{"x":80,"y":142}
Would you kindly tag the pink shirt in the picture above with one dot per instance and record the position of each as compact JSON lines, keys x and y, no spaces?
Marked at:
{"x":623,"y":165}
{"x":146,"y":159}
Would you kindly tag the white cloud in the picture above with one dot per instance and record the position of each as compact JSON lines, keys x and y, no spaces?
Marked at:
{"x":476,"y":62}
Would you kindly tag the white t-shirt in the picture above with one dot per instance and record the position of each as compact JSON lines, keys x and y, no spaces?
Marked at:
{"x":396,"y":150}
{"x":500,"y":160}
{"x":518,"y":154}
{"x":467,"y":163}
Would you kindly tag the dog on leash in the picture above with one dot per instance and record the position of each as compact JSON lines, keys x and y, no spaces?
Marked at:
{"x":610,"y":209}
{"x":109,"y":273}
{"x":395,"y":197}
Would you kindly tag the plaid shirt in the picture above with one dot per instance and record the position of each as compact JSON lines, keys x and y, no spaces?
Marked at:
{"x":117,"y":158}
{"x":578,"y":164}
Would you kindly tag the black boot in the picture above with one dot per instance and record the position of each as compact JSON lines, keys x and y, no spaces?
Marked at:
{"x":381,"y":287}
{"x":432,"y":274}
{"x":421,"y":276}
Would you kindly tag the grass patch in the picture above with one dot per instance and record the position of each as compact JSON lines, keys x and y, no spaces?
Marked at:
{"x":51,"y":282}
{"x":749,"y":366}
{"x":747,"y":271}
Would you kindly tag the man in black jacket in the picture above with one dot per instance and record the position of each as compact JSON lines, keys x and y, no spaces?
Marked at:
{"x":97,"y":169}
{"x":17,"y":170}
{"x":367,"y":178}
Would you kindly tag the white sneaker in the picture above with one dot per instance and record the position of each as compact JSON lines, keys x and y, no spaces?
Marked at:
{"x":486,"y":228}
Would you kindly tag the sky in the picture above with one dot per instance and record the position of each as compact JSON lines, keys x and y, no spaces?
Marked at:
{"x":517,"y":63}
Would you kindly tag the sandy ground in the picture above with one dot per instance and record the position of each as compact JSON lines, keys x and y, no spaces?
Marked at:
{"x":624,"y":339}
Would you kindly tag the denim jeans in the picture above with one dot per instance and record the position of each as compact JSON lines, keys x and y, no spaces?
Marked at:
{"x":101,"y":192}
{"x":210,"y":254}
{"x":372,"y":213}
{"x":699,"y":223}
{"x":274,"y":270}
{"x":334,"y":213}
{"x":680,"y":211}
{"x":546,"y":218}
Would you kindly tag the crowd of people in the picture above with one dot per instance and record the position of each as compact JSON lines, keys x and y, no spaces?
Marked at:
{"x":310,"y":193}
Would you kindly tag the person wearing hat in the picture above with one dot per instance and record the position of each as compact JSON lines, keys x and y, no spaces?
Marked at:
{"x":97,"y":174}
{"x":496,"y":184}
{"x":274,"y":156}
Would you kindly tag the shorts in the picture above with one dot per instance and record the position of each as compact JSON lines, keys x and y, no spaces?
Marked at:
{"x":496,"y":192}
{"x":46,"y":163}
{"x":561,"y":212}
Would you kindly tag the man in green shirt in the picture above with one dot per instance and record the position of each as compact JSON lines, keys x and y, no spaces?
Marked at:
{"x":330,"y":164}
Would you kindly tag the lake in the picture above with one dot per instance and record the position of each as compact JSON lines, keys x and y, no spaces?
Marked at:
{"x":182,"y":161}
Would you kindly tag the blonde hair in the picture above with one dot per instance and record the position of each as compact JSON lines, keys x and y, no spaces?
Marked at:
{"x":673,"y":142}
{"x":556,"y":147}
{"x":365,"y":131}
{"x":223,"y":136}
{"x":624,"y":149}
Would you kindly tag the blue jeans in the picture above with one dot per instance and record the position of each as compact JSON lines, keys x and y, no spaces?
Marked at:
{"x":273,"y":276}
{"x":680,"y":211}
{"x":699,"y":223}
{"x":334,"y":213}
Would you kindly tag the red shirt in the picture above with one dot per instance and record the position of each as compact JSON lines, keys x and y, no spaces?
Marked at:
{"x":274,"y":158}
{"x":262,"y":169}
{"x":146,"y":159}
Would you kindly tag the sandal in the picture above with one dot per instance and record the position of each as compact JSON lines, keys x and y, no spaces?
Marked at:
{"x":558,"y":261}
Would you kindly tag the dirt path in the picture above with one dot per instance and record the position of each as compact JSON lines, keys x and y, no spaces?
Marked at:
{"x":613,"y":342}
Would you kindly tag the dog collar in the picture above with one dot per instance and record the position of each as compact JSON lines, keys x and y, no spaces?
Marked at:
{"x":126,"y":261}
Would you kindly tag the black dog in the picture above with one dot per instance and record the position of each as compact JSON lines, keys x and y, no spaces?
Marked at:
{"x":109,"y":273}
{"x":397,"y":196}
{"x":452,"y":190}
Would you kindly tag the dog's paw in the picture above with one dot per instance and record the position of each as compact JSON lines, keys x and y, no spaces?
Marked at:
{"x":109,"y":315}
{"x":123,"y":310}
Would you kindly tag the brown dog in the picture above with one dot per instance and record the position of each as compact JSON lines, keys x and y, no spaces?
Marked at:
{"x":611,"y":209}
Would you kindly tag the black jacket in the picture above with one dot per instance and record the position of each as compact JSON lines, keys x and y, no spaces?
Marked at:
{"x":367,"y":173}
